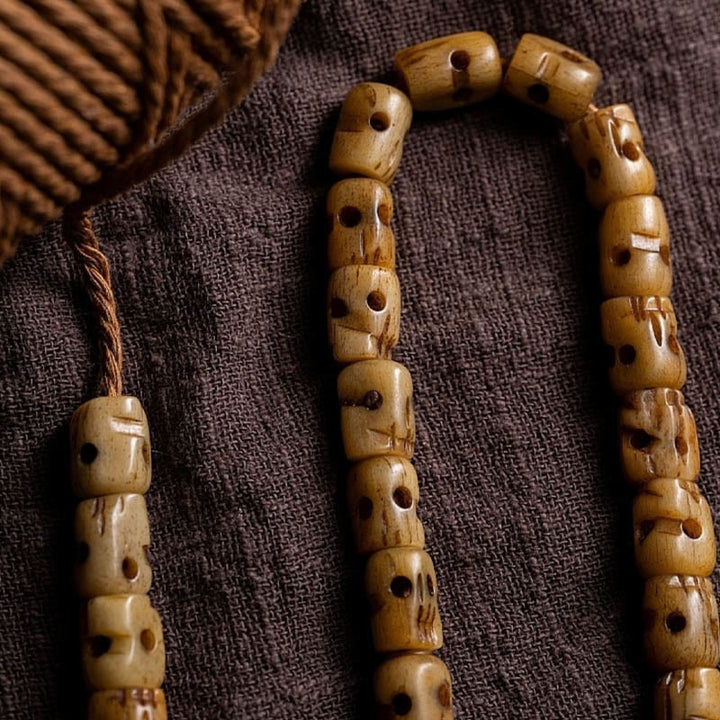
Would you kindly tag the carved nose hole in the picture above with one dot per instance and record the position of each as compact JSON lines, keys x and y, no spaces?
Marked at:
{"x":401,"y":586}
{"x":373,"y":400}
{"x":376,"y":301}
{"x":349,"y":216}
{"x":675,"y":622}
{"x":460,"y":60}
{"x":403,"y":497}
{"x":88,"y":453}
{"x":338,"y":308}
{"x":401,"y":704}
{"x":99,"y":645}
{"x":538,"y":94}
{"x":379,"y":121}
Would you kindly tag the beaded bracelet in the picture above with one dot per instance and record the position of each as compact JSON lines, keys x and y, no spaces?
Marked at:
{"x":674,"y":536}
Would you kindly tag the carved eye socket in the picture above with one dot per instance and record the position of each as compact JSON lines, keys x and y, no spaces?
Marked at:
{"x":627,"y":354}
{"x":401,"y":704}
{"x":460,"y":60}
{"x":338,"y":308}
{"x":365,"y":508}
{"x":675,"y":622}
{"x":403,"y":497}
{"x":538,"y":94}
{"x":401,"y":586}
{"x":383,"y":213}
{"x":372,"y":400}
{"x":644,"y":529}
{"x":692,"y":528}
{"x":630,"y":150}
{"x":376,"y":301}
{"x":130,"y":568}
{"x":594,"y":168}
{"x":620,"y":255}
{"x":148,"y":639}
{"x":83,"y":552}
{"x":99,"y":645}
{"x":431,"y":585}
{"x":379,"y":121}
{"x":640,"y":439}
{"x":681,"y":445}
{"x":349,"y":216}
{"x":88,"y":453}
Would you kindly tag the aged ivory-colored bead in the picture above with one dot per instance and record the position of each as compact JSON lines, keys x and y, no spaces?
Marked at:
{"x":450,"y":72}
{"x":369,"y":137}
{"x":383,"y":494}
{"x":113,"y":537}
{"x":402,"y":589}
{"x":128,"y":704}
{"x":608,"y":146}
{"x":359,"y":211}
{"x":552,"y":77}
{"x":681,"y":623}
{"x":414,"y":686}
{"x":644,"y":350}
{"x":122,"y":643}
{"x":692,"y":694}
{"x":376,"y":417}
{"x":363,"y":313}
{"x":674,"y":533}
{"x":635,"y":248}
{"x":110,"y":447}
{"x":658,"y":437}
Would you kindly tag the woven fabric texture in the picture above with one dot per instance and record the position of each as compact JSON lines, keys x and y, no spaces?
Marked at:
{"x":219,"y":268}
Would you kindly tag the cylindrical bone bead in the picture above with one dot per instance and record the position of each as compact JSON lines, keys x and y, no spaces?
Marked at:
{"x":113,"y":538}
{"x":607,"y":144}
{"x":122,"y":643}
{"x":635,"y":248}
{"x":450,"y":72}
{"x":644,"y":351}
{"x":359,"y":211}
{"x":402,"y":590}
{"x":128,"y":704}
{"x":551,"y":77}
{"x":110,"y":447}
{"x":376,"y":416}
{"x":383,"y":494}
{"x":692,"y":694}
{"x":363,"y":313}
{"x":658,"y":437}
{"x":414,"y":686}
{"x":369,"y":137}
{"x":681,"y":623}
{"x":674,"y":532}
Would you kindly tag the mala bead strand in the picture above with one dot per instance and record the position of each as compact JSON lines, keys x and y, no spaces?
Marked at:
{"x":122,"y":641}
{"x":377,"y":419}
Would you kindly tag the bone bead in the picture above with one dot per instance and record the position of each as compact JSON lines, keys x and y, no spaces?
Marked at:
{"x":450,"y":72}
{"x":374,"y":120}
{"x":128,"y":704}
{"x":681,"y":623}
{"x":673,"y":530}
{"x":635,"y":248}
{"x":692,"y":694}
{"x":113,"y":537}
{"x":608,"y":146}
{"x":551,"y":77}
{"x":383,"y":494}
{"x":414,"y":687}
{"x":658,"y":437}
{"x":376,"y":417}
{"x":122,"y":643}
{"x":359,"y":212}
{"x":402,"y":590}
{"x":644,"y":351}
{"x":363,"y":313}
{"x":110,"y":447}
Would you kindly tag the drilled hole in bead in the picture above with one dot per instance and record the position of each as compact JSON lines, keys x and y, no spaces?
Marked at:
{"x":338,"y":308}
{"x":630,"y":150}
{"x":572,"y":57}
{"x":692,"y":528}
{"x":644,"y":529}
{"x":620,"y":255}
{"x":609,"y":355}
{"x":83,"y":552}
{"x":538,"y":93}
{"x":626,"y":354}
{"x":384,"y":214}
{"x":99,"y":645}
{"x":594,"y":168}
{"x":403,"y":497}
{"x":148,"y":639}
{"x":675,"y":622}
{"x":673,"y":344}
{"x":365,"y":508}
{"x":349,"y":216}
{"x":130,"y":568}
{"x":430,"y":585}
{"x":460,"y":60}
{"x":462,"y":95}
{"x":376,"y":301}
{"x":372,"y":400}
{"x":641,"y":440}
{"x":681,"y":445}
{"x":401,"y":704}
{"x":401,"y":586}
{"x":379,"y":121}
{"x":88,"y":453}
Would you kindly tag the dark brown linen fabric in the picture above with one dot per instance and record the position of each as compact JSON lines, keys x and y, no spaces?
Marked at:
{"x":219,"y":267}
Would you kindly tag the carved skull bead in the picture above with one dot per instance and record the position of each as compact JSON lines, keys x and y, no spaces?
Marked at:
{"x":110,"y":447}
{"x":122,"y":643}
{"x":681,"y":623}
{"x":370,"y":133}
{"x":644,"y":349}
{"x":658,"y":437}
{"x":413,"y":687}
{"x":113,"y":537}
{"x":383,"y":494}
{"x":635,"y":248}
{"x":692,"y":694}
{"x":128,"y":704}
{"x":674,"y":532}
{"x":607,"y":144}
{"x":359,"y":212}
{"x":363,"y":313}
{"x":376,"y":417}
{"x":402,"y":590}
